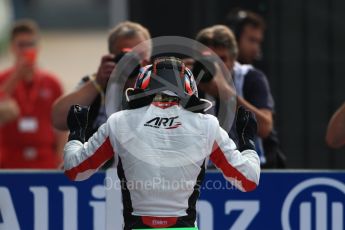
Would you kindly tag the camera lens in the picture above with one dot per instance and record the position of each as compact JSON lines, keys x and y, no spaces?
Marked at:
{"x":204,"y":68}
{"x":133,"y":59}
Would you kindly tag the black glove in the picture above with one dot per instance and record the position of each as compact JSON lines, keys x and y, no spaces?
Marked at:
{"x":246,"y":128}
{"x":77,"y":120}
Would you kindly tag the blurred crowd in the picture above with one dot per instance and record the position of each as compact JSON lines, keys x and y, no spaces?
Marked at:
{"x":33,"y":107}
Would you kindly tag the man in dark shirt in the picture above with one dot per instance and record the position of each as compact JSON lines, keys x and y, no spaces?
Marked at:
{"x":251,"y":85}
{"x":249,"y":29}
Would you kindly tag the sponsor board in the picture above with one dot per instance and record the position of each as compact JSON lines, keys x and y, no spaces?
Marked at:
{"x":284,"y":200}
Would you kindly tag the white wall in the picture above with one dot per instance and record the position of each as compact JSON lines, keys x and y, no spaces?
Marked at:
{"x":69,"y":54}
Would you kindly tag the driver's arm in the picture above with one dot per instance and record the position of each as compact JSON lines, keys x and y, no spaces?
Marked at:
{"x":241,"y":169}
{"x":82,"y":159}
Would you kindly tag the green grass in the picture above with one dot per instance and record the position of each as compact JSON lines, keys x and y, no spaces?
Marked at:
{"x":169,"y":228}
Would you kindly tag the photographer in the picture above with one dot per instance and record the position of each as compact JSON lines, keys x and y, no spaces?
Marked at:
{"x":91,"y":91}
{"x":249,"y":29}
{"x":252,"y":87}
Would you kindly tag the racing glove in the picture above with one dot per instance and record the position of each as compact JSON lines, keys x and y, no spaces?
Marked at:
{"x":246,"y":128}
{"x":77,"y":120}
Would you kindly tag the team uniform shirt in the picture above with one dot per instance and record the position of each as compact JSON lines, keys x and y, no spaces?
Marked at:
{"x":253,"y":86}
{"x":30,"y":141}
{"x":156,"y":147}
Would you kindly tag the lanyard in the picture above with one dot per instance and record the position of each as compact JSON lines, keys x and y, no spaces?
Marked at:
{"x":28,"y":94}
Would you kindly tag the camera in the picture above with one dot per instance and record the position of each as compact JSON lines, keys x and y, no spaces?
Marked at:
{"x":133,"y":60}
{"x":205,"y":65}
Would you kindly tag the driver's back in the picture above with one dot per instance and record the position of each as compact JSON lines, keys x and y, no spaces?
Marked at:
{"x":160,"y":153}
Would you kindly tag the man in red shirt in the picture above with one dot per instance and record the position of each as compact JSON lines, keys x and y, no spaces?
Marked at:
{"x":30,"y":140}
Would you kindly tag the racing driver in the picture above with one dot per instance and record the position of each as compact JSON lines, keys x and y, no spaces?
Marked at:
{"x":162,"y":135}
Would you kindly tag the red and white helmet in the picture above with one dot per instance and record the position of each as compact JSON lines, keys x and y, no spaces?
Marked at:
{"x":167,"y":75}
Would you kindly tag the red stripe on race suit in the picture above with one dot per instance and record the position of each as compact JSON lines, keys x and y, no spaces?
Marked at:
{"x":102,"y":154}
{"x":164,"y":105}
{"x":159,"y":222}
{"x":219,"y":159}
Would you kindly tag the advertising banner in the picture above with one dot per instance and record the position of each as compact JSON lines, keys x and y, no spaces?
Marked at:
{"x":284,"y":200}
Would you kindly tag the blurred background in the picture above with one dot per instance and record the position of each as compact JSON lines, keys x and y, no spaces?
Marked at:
{"x":303,"y":53}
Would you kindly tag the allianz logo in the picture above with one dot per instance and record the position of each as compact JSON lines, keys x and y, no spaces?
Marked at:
{"x":317,"y":204}
{"x":10,"y":216}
